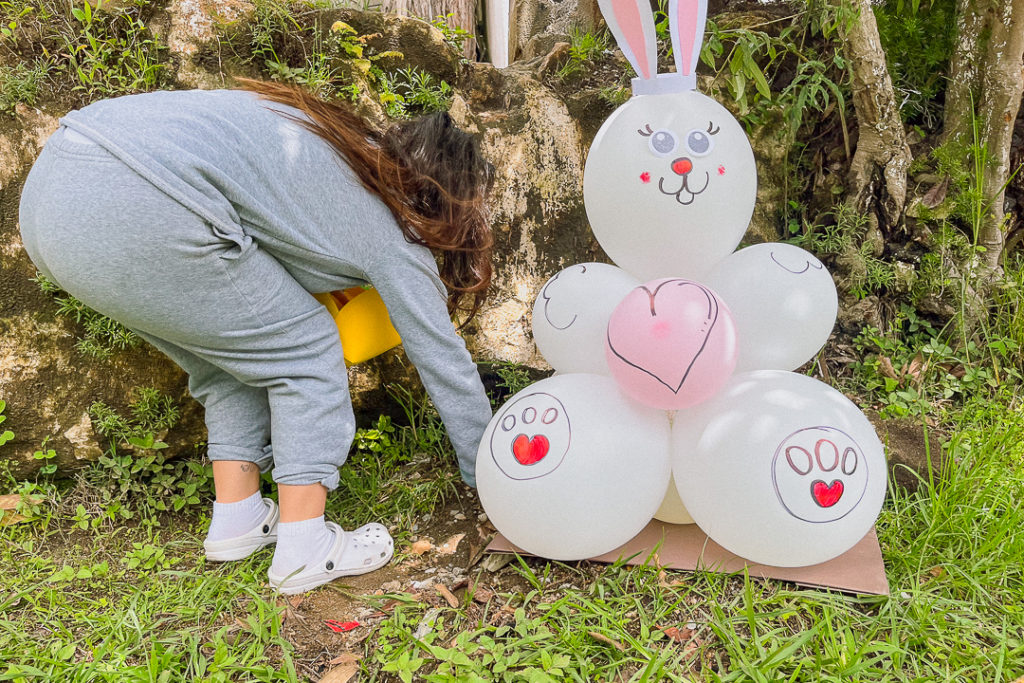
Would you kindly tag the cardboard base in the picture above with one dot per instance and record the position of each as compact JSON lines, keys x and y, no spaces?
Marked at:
{"x":684,"y":546}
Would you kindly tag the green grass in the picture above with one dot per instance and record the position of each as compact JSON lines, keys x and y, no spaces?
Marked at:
{"x":138,"y":603}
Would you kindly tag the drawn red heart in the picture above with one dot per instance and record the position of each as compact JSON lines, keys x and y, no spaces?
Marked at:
{"x":529,"y":450}
{"x":827,"y":495}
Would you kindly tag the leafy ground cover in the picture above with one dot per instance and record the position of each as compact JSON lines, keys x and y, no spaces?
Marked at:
{"x":132,"y":600}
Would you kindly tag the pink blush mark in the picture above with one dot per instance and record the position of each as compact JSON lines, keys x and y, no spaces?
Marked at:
{"x":721,"y":170}
{"x":645,"y":177}
{"x":661,"y":329}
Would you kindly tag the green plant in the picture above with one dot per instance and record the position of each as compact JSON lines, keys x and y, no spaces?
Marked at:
{"x":113,"y":51}
{"x":614,"y":95}
{"x":584,"y":47}
{"x":410,"y":92}
{"x":454,"y":35}
{"x":20,"y":83}
{"x":148,"y":556}
{"x":747,"y":62}
{"x":101,"y":336}
{"x":5,"y":435}
{"x":46,"y":455}
{"x":918,"y":42}
{"x":842,"y":227}
{"x":125,"y":482}
{"x":512,"y":377}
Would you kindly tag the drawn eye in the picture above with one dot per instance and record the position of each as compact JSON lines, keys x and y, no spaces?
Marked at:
{"x":663,"y":142}
{"x":699,"y":143}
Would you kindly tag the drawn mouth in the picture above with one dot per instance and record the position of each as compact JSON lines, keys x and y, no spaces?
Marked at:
{"x":678,"y":194}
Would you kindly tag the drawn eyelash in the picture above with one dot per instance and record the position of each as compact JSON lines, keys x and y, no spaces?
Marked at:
{"x":649,"y":132}
{"x":716,"y":128}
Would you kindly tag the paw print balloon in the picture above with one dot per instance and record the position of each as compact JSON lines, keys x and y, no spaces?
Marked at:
{"x":673,"y":396}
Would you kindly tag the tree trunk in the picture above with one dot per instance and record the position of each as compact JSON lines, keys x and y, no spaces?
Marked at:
{"x":878,"y":172}
{"x":464,"y":12}
{"x":987,"y":77}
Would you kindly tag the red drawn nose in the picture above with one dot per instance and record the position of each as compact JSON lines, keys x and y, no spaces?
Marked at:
{"x":682,"y":166}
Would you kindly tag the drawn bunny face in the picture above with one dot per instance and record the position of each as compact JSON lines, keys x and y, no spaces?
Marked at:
{"x":669,"y":185}
{"x":670,"y":181}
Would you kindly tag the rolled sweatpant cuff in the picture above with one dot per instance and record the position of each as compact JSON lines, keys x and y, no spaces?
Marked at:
{"x":322,"y":475}
{"x":262,"y":457}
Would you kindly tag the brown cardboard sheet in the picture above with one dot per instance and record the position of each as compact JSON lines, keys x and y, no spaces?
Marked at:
{"x":684,"y":546}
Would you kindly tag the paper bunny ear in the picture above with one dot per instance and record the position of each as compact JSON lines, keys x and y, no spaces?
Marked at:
{"x":632,"y":24}
{"x":687,"y":19}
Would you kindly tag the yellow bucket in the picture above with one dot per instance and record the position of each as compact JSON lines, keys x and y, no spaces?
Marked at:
{"x":363,"y":323}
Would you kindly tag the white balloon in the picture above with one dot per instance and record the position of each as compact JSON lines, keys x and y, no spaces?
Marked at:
{"x":669,"y":185}
{"x":783,"y":301}
{"x":781,"y":469}
{"x":569,"y":468}
{"x":672,"y":509}
{"x":571,"y":313}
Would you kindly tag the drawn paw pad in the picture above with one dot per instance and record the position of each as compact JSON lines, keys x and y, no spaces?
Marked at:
{"x":531,"y":437}
{"x":820,"y":474}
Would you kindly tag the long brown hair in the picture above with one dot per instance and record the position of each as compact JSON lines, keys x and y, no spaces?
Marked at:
{"x":428,"y":172}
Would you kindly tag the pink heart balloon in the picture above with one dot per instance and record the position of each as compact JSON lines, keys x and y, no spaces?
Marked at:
{"x":671,"y":343}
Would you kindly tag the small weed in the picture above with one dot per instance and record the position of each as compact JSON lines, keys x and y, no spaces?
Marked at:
{"x":101,"y":336}
{"x":122,"y":483}
{"x":113,"y":52}
{"x":20,"y":83}
{"x":454,"y":36}
{"x":5,"y":435}
{"x":411,"y":92}
{"x":584,"y":47}
{"x":512,"y":377}
{"x":835,"y":236}
{"x":614,"y":95}
{"x":147,"y":556}
{"x":46,"y":455}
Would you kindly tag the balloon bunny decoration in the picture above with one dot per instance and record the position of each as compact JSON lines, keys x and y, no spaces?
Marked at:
{"x":674,"y":395}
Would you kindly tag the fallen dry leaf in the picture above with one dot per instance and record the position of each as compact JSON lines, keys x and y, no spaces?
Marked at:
{"x":345,"y":658}
{"x":340,"y":674}
{"x":937,"y":194}
{"x":9,"y":518}
{"x":449,"y":546}
{"x":680,"y":635}
{"x":296,"y":600}
{"x":886,"y":368}
{"x":11,"y":500}
{"x":447,"y":595}
{"x":482,"y":594}
{"x":421,"y":546}
{"x":605,"y":639}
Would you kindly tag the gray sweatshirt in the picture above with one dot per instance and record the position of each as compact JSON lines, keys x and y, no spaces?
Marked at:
{"x":253,"y":174}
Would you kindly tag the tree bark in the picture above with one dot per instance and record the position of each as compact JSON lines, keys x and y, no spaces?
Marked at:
{"x":464,"y":12}
{"x":878,"y":172}
{"x":987,"y":81}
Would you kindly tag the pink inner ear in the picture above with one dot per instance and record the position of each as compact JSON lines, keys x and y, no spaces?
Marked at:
{"x":686,"y":21}
{"x":627,"y":14}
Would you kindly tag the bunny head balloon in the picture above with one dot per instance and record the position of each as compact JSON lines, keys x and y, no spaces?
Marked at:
{"x":670,"y":181}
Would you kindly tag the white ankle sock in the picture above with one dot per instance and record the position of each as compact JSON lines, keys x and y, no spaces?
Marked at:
{"x":301,"y":543}
{"x":234,"y":519}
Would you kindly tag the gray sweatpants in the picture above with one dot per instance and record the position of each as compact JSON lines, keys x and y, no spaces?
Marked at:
{"x":263,"y":356}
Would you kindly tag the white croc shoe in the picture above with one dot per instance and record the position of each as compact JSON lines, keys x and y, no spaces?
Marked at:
{"x":243,"y":546}
{"x":353,"y":552}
